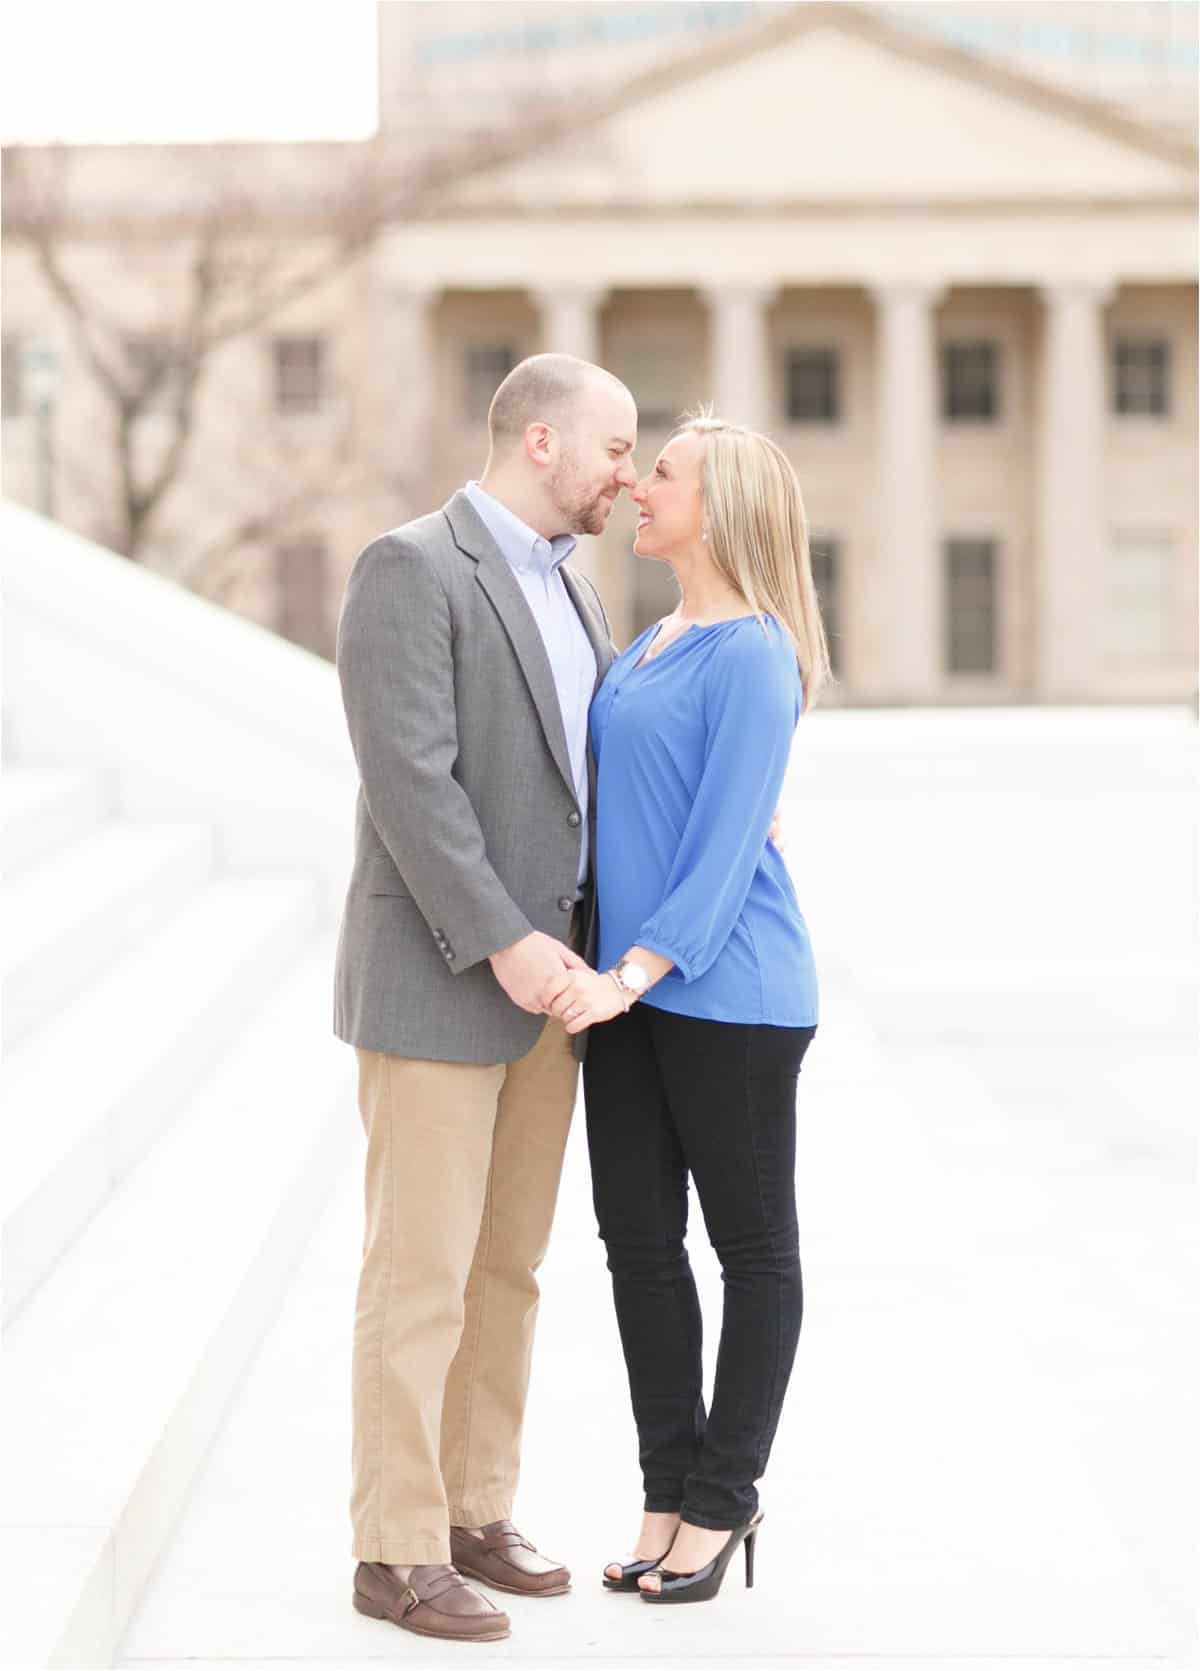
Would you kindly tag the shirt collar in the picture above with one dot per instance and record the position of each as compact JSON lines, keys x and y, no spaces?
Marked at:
{"x":523,"y":548}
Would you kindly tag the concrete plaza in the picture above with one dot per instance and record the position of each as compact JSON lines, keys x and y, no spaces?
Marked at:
{"x":988,"y":1455}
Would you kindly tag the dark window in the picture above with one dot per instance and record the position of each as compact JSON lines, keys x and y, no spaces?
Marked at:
{"x":12,"y":392}
{"x":302,"y":582}
{"x":970,"y":381}
{"x":825,"y":556}
{"x":1142,"y":377}
{"x":299,"y":374}
{"x":485,"y":366}
{"x":813,"y":385}
{"x":971,"y":618}
{"x":154,"y":374}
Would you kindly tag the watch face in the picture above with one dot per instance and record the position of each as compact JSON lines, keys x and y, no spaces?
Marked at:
{"x":634,"y":976}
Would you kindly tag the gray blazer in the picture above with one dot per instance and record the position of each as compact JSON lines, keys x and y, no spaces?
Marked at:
{"x":467,"y":828}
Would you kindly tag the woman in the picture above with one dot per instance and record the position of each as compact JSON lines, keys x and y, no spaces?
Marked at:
{"x":707,"y":985}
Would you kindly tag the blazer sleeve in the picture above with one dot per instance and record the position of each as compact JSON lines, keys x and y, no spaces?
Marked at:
{"x":395,"y":660}
{"x":751,"y":705}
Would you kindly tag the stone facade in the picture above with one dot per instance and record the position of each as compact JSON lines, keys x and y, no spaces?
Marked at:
{"x":968,"y":313}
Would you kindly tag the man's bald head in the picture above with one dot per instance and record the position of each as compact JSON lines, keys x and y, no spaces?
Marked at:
{"x":562,"y":437}
{"x":546,"y":388}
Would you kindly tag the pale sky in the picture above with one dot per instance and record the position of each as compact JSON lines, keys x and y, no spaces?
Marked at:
{"x":160,"y":70}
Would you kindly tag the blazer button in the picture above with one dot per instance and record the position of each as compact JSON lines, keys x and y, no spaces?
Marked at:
{"x":574,"y":820}
{"x":566,"y":903}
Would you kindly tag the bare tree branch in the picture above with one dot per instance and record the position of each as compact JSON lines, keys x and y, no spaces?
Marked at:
{"x":296,"y":497}
{"x":247,"y":252}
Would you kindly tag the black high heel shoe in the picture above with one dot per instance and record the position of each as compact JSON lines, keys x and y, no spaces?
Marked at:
{"x":703,"y":1585}
{"x":631,"y":1573}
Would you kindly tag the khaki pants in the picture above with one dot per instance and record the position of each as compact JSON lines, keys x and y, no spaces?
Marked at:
{"x":463,"y":1167}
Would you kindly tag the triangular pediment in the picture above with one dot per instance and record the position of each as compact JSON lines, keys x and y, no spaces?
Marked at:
{"x":834,"y":107}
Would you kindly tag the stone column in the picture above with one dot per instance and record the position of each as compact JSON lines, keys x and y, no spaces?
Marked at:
{"x":905,"y":659}
{"x":571,"y":320}
{"x":403,"y":369}
{"x":1072,"y":534}
{"x":740,"y":358}
{"x":571,"y":325}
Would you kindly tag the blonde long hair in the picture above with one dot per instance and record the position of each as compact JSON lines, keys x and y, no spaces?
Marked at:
{"x":758,"y":535}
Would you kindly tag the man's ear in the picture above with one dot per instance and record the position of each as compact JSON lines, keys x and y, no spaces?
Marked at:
{"x":539,"y":442}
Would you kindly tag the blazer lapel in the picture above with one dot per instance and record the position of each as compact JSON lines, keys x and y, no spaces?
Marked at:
{"x":592,"y":623}
{"x":507,"y":599}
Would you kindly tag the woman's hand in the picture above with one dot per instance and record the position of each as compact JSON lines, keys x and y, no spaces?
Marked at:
{"x":583,"y":998}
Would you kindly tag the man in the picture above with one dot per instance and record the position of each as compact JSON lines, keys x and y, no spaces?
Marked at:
{"x":468,"y":654}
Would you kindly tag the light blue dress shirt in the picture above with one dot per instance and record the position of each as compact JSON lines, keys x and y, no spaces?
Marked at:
{"x":691,"y":750}
{"x":535,"y":561}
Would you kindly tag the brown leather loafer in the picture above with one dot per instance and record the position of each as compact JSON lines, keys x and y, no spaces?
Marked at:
{"x":504,"y":1559}
{"x":434,"y":1602}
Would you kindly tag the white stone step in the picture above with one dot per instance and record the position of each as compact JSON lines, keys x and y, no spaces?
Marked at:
{"x":71,"y":916}
{"x":118,"y":1372}
{"x":85,"y":1097}
{"x":42,"y":808}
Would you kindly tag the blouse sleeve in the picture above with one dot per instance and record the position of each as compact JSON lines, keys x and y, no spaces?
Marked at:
{"x":752,"y":703}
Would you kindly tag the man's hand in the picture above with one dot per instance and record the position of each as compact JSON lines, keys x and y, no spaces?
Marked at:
{"x":526,"y":968}
{"x":776,"y":833}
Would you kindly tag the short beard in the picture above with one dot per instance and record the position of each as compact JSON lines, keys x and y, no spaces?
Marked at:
{"x":582,"y":511}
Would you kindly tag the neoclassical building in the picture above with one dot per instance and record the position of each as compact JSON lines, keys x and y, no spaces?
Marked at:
{"x":962,"y":300}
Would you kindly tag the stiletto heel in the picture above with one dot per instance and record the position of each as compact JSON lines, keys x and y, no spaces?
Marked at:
{"x":703,"y":1585}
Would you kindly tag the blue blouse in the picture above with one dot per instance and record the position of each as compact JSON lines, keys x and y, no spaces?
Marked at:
{"x":691,"y":751}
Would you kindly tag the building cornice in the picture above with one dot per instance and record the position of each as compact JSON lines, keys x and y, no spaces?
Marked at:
{"x":807,"y":208}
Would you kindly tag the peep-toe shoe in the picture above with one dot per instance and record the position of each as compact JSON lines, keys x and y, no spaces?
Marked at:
{"x":704,"y":1584}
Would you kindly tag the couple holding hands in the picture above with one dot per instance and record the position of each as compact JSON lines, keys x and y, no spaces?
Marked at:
{"x":565,"y":854}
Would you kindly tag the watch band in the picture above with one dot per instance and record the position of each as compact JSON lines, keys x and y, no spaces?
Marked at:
{"x":626,"y":997}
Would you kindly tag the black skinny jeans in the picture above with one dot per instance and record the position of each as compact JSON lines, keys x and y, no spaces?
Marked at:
{"x":668,"y":1095}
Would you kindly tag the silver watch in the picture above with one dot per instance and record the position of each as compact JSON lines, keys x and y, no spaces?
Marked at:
{"x":630,"y":977}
